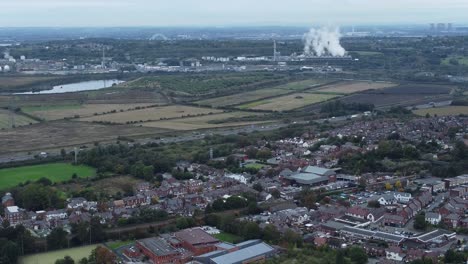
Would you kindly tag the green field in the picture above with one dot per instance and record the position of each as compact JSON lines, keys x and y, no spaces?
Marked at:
{"x":50,"y":257}
{"x":367,"y":53}
{"x":254,"y":166}
{"x":7,"y":118}
{"x":443,"y":111}
{"x":242,"y":97}
{"x":56,"y":172}
{"x":288,"y":102}
{"x":460,"y":59}
{"x":227,"y":237}
{"x":117,"y":244}
{"x":300,"y":85}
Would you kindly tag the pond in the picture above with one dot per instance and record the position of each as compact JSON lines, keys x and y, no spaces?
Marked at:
{"x":78,"y":87}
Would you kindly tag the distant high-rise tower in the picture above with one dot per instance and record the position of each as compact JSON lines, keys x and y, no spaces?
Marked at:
{"x":449,"y":26}
{"x":274,"y":51}
{"x":432,"y":27}
{"x":440,"y":27}
{"x":103,"y":62}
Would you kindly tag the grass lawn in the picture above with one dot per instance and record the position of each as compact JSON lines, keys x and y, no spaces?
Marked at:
{"x":289,"y":102}
{"x":255,"y":166}
{"x":227,"y":237}
{"x":50,"y":107}
{"x":116,"y":244}
{"x":56,"y":172}
{"x":368,"y":53}
{"x":461,"y":60}
{"x":443,"y":111}
{"x":50,"y":257}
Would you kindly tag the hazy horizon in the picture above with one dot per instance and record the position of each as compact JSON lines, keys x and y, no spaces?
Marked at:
{"x":242,"y":13}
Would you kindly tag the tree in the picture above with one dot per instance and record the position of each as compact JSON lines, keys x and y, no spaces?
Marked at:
{"x":104,"y":256}
{"x":271,"y":233}
{"x":420,"y":222}
{"x":9,"y":252}
{"x":258,"y":187}
{"x":276,"y":194}
{"x":251,"y":230}
{"x":373,"y":204}
{"x":357,"y":255}
{"x":36,"y":197}
{"x":65,"y":260}
{"x":398,"y":185}
{"x":63,"y":153}
{"x":292,"y":239}
{"x":57,"y":239}
{"x":340,"y":257}
{"x":388,"y":186}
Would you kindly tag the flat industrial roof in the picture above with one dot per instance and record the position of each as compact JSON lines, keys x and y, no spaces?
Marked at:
{"x":158,"y":246}
{"x":388,"y":236}
{"x":195,"y":236}
{"x":434,"y":234}
{"x":358,"y":231}
{"x":244,"y":254}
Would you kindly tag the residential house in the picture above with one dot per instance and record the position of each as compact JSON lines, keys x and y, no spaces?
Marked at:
{"x":395,"y":253}
{"x":433,"y":218}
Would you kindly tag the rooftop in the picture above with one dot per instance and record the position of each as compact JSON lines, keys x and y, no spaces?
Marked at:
{"x":158,"y":246}
{"x":244,"y":254}
{"x":196,"y":236}
{"x":434,"y":235}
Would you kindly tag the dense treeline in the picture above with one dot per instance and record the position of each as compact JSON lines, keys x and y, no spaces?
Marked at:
{"x":15,"y":242}
{"x":338,"y":108}
{"x":145,"y":161}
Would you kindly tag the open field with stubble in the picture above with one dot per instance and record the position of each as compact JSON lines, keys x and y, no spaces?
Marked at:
{"x":59,"y":134}
{"x":55,"y":112}
{"x":242,"y":97}
{"x":12,"y":82}
{"x":50,"y":257}
{"x":203,"y":122}
{"x":20,"y":120}
{"x":301,"y":85}
{"x":443,"y":111}
{"x":152,"y":114}
{"x":349,"y":87}
{"x":288,"y":102}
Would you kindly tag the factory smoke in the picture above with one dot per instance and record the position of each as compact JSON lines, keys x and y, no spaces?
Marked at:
{"x":323,"y":42}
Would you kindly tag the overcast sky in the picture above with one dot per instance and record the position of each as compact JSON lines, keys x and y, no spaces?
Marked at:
{"x":228,"y":12}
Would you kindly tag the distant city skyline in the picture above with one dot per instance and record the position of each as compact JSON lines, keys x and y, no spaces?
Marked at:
{"x":186,"y":13}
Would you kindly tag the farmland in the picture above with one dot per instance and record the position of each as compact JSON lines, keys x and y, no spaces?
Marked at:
{"x":56,"y":172}
{"x":404,"y":95}
{"x":301,"y":85}
{"x":6,"y":117}
{"x":59,"y":134}
{"x":242,"y":97}
{"x":203,"y":122}
{"x":354,"y":87}
{"x":13,"y":82}
{"x":288,"y":102}
{"x":443,"y":111}
{"x":50,"y":257}
{"x":55,"y":112}
{"x":455,"y":60}
{"x":152,"y":114}
{"x":204,"y":84}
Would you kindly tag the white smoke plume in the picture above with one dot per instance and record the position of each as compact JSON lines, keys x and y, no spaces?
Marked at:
{"x":323,"y":42}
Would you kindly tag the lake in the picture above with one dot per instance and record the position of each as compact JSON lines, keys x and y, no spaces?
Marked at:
{"x":78,"y":87}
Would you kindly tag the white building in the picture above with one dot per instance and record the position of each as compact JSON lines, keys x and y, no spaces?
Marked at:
{"x":433,"y":218}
